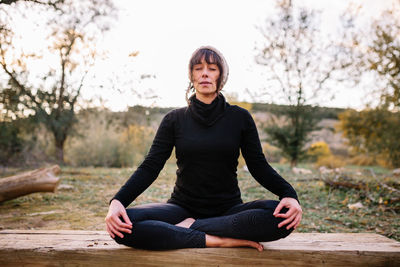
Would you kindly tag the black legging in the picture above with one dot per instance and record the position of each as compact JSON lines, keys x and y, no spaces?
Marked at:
{"x":154,"y":225}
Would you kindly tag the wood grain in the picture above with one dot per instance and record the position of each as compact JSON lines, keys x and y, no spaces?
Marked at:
{"x":54,"y":248}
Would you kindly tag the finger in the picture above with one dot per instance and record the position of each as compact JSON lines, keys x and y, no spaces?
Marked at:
{"x":282,"y":215}
{"x":291,"y":210}
{"x":126,"y":218}
{"x":288,"y":213}
{"x":278,"y":208}
{"x":117,"y":221}
{"x":121,"y":229}
{"x":298,"y":222}
{"x":109,"y":231}
{"x":288,"y":220}
{"x":115,"y":231}
{"x":125,"y":230}
{"x":120,"y":226}
{"x":292,"y":224}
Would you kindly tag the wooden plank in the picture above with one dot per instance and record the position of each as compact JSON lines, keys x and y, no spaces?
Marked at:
{"x":336,"y":242}
{"x":50,"y":248}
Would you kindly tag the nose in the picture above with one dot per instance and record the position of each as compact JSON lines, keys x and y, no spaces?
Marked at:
{"x":204,"y":73}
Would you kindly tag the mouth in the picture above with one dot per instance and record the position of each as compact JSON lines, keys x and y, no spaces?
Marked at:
{"x":205,"y":83}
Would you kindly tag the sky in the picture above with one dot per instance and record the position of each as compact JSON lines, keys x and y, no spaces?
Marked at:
{"x":165,"y":33}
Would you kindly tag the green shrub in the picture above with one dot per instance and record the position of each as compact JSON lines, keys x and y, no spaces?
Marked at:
{"x":10,"y":142}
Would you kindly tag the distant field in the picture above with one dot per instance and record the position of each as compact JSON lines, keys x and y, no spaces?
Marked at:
{"x":84,"y":205}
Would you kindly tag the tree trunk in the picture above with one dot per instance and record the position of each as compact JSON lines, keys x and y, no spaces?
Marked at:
{"x":40,"y":180}
{"x":60,"y":150}
{"x":293,"y":163}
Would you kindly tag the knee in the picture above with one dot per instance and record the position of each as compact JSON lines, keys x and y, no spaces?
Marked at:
{"x":269,"y":205}
{"x":120,"y":240}
{"x":273,"y":232}
{"x":127,"y":240}
{"x":283,"y":232}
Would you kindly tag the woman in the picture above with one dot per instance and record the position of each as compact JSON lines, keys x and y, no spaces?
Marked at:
{"x":205,"y":208}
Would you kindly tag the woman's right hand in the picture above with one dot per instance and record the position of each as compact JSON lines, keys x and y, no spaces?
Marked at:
{"x":115,"y":226}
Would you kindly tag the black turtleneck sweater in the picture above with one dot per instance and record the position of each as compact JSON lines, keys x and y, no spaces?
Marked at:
{"x":208,"y":139}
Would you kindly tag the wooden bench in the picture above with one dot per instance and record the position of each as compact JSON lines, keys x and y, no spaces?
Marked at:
{"x":54,"y":248}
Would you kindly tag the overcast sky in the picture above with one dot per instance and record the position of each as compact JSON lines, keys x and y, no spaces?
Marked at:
{"x":165,"y":33}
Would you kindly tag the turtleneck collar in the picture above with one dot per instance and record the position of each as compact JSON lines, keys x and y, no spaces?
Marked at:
{"x":207,"y":114}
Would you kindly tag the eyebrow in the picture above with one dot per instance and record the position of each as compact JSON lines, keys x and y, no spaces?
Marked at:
{"x":206,"y":62}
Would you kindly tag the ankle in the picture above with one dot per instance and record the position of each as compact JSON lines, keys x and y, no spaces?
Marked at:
{"x":186,"y":223}
{"x":213,"y":241}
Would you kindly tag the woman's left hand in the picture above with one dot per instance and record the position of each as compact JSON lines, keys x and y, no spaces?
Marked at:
{"x":292,"y":216}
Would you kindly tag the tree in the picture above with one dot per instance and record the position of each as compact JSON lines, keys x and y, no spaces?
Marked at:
{"x":374,"y":132}
{"x":10,"y":143}
{"x":52,"y":3}
{"x":292,"y":136}
{"x":52,"y":99}
{"x":376,"y":52}
{"x":300,"y":65}
{"x":383,"y":57}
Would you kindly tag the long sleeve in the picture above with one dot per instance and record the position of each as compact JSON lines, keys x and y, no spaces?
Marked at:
{"x":150,"y":168}
{"x":258,"y":165}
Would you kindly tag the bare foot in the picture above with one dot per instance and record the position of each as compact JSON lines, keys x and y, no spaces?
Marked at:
{"x":226,"y":242}
{"x":186,"y":223}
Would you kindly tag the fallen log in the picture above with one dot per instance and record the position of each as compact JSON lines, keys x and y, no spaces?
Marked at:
{"x":345,"y":182}
{"x":40,"y":180}
{"x":389,"y":188}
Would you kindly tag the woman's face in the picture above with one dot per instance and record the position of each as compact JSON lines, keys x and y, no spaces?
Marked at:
{"x":205,"y":77}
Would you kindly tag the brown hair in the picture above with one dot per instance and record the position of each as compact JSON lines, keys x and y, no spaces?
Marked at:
{"x":210,"y":57}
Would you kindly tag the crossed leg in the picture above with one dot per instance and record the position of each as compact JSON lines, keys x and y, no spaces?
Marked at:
{"x":250,"y":221}
{"x":154,"y":227}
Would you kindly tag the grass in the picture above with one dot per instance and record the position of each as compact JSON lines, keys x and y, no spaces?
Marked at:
{"x":325,"y":209}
